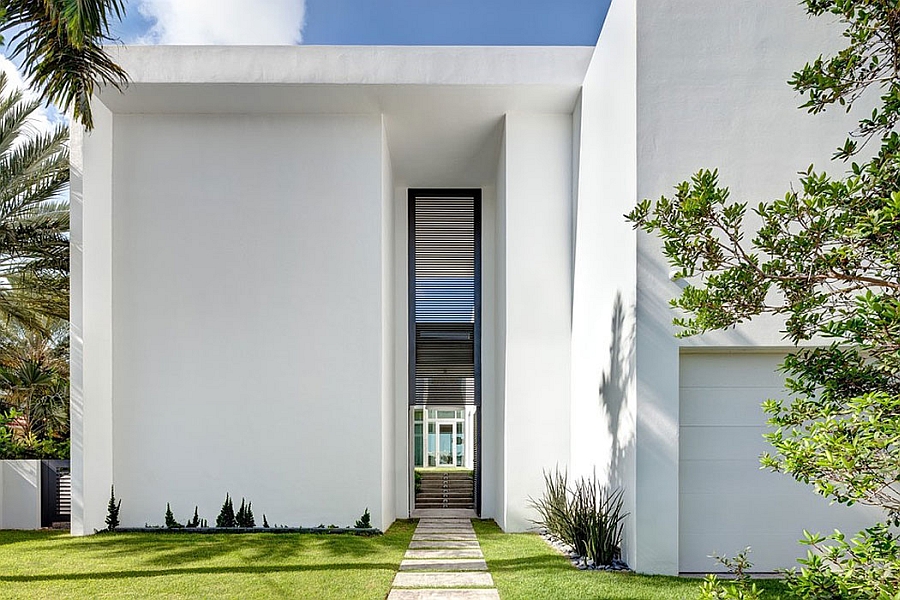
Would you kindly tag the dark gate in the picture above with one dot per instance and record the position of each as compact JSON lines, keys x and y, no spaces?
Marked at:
{"x":56,"y":492}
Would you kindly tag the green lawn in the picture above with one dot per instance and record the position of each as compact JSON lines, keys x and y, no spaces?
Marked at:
{"x":525,"y":567}
{"x":39,"y":564}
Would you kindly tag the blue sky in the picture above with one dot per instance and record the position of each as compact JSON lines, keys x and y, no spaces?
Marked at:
{"x":393,"y":22}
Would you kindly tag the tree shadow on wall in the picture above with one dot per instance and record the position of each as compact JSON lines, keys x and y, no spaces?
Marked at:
{"x":616,"y":383}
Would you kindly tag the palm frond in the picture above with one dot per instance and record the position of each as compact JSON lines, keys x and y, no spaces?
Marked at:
{"x":61,"y":46}
{"x":34,"y":216}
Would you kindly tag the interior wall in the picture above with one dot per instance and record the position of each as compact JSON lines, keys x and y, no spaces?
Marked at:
{"x":538,"y":273}
{"x":603,"y":394}
{"x":248,"y":316}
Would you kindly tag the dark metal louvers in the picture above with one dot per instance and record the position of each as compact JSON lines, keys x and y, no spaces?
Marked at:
{"x":444,"y":296}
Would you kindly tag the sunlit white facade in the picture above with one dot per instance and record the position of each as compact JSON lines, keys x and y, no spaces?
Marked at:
{"x":241,"y":280}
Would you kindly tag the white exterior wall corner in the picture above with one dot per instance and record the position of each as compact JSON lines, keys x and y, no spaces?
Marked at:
{"x":538,"y":273}
{"x":91,"y":321}
{"x":389,"y":437}
{"x":499,"y":430}
{"x":603,"y":388}
{"x":711,"y":93}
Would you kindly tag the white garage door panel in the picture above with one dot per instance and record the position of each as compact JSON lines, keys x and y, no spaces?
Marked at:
{"x":699,"y":405}
{"x":784,"y":549}
{"x":731,"y":369}
{"x":721,"y":443}
{"x":706,"y":514}
{"x":710,"y":476}
{"x":725,"y":501}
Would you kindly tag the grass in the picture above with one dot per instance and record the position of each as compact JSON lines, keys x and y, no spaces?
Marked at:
{"x":525,"y":567}
{"x":42,"y":564}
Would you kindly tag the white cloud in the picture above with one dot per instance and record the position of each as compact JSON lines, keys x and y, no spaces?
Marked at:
{"x":224,"y":21}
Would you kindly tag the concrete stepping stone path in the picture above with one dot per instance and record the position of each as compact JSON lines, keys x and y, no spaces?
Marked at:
{"x":443,"y":562}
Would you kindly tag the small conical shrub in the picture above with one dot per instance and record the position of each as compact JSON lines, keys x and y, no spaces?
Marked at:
{"x":226,"y":515}
{"x":244,"y":516}
{"x":171,"y":523}
{"x":265,"y":523}
{"x":195,"y":520}
{"x":364,"y":522}
{"x":112,"y":510}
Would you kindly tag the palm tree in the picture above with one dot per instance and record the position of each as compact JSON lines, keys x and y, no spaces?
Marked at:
{"x":61,"y":46}
{"x":34,"y":214}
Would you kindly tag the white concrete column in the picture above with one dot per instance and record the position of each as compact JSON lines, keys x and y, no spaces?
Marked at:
{"x":537,"y":216}
{"x":91,"y":322}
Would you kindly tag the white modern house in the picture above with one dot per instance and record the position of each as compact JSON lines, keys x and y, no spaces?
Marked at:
{"x":300,"y":272}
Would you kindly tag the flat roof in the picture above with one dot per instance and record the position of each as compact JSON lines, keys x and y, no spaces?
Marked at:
{"x":448,"y":100}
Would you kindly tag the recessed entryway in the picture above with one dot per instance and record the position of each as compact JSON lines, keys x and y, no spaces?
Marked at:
{"x":444,"y":348}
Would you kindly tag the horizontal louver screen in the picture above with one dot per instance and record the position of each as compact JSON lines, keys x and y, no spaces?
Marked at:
{"x":64,"y":498}
{"x":444,"y":304}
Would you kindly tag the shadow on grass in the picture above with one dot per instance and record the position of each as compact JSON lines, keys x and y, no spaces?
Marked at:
{"x":525,"y":567}
{"x":224,"y":570}
{"x":192,"y":553}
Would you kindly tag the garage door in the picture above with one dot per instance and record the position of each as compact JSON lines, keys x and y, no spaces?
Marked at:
{"x":725,"y":501}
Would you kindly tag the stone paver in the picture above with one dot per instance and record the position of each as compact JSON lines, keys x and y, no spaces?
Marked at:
{"x":446,"y":564}
{"x":468,"y":579}
{"x":445,"y":553}
{"x":426,"y":594}
{"x":417,"y":544}
{"x":443,"y":536}
{"x":443,"y":562}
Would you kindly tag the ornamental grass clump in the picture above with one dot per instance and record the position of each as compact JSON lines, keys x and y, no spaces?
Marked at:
{"x":588,"y":517}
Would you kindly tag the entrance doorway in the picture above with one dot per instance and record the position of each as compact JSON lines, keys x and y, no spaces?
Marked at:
{"x":442,"y":437}
{"x":445,"y":347}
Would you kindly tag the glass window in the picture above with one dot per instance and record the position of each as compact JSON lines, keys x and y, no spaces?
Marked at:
{"x":418,"y":445}
{"x":432,"y":450}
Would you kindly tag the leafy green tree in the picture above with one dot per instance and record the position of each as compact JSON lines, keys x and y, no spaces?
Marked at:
{"x":60,"y":43}
{"x":825,"y":258}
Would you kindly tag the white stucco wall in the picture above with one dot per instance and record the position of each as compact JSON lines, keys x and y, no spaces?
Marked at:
{"x":537,"y":215}
{"x":389,"y":472}
{"x":90,"y":321}
{"x":496,"y":432}
{"x":247,"y":288}
{"x":239,"y":273}
{"x":20,"y":494}
{"x":603,"y":395}
{"x":711,"y":93}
